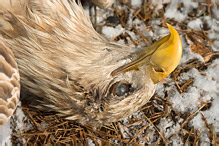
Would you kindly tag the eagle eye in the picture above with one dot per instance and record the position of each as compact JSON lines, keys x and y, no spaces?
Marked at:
{"x":121,"y":89}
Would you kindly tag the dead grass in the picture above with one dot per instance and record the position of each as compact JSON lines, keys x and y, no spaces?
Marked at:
{"x":48,"y":128}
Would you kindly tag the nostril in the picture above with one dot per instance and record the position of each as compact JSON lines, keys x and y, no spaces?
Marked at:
{"x":158,"y":69}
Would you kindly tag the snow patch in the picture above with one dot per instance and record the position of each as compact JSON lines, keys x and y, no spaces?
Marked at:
{"x":173,"y":13}
{"x":5,"y":134}
{"x":136,"y":3}
{"x":90,"y":142}
{"x":111,"y":32}
{"x":196,"y":24}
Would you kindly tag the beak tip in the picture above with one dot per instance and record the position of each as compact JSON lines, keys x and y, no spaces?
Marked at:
{"x":168,"y":55}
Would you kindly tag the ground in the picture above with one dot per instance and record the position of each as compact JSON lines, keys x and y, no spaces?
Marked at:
{"x":183,"y":109}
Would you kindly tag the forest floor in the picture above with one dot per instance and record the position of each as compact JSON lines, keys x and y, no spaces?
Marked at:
{"x":184,"y":109}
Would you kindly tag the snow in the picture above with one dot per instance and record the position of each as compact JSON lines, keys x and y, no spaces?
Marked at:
{"x":176,"y":141}
{"x":197,"y":122}
{"x":204,"y":88}
{"x":16,"y":121}
{"x":5,"y":134}
{"x":136,"y":3}
{"x":212,"y":115}
{"x":19,"y":116}
{"x":173,"y":13}
{"x":111,"y":32}
{"x":90,"y":142}
{"x":165,"y":127}
{"x":215,"y":10}
{"x":179,"y":15}
{"x":189,"y":4}
{"x":195,"y":24}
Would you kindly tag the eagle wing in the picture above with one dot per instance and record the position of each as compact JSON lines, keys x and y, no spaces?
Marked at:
{"x":9,"y":83}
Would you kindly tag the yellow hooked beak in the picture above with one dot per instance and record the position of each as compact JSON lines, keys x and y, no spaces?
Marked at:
{"x":162,"y":57}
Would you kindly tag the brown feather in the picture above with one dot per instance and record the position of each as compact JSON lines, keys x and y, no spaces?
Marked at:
{"x":65,"y":62}
{"x":9,"y":84}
